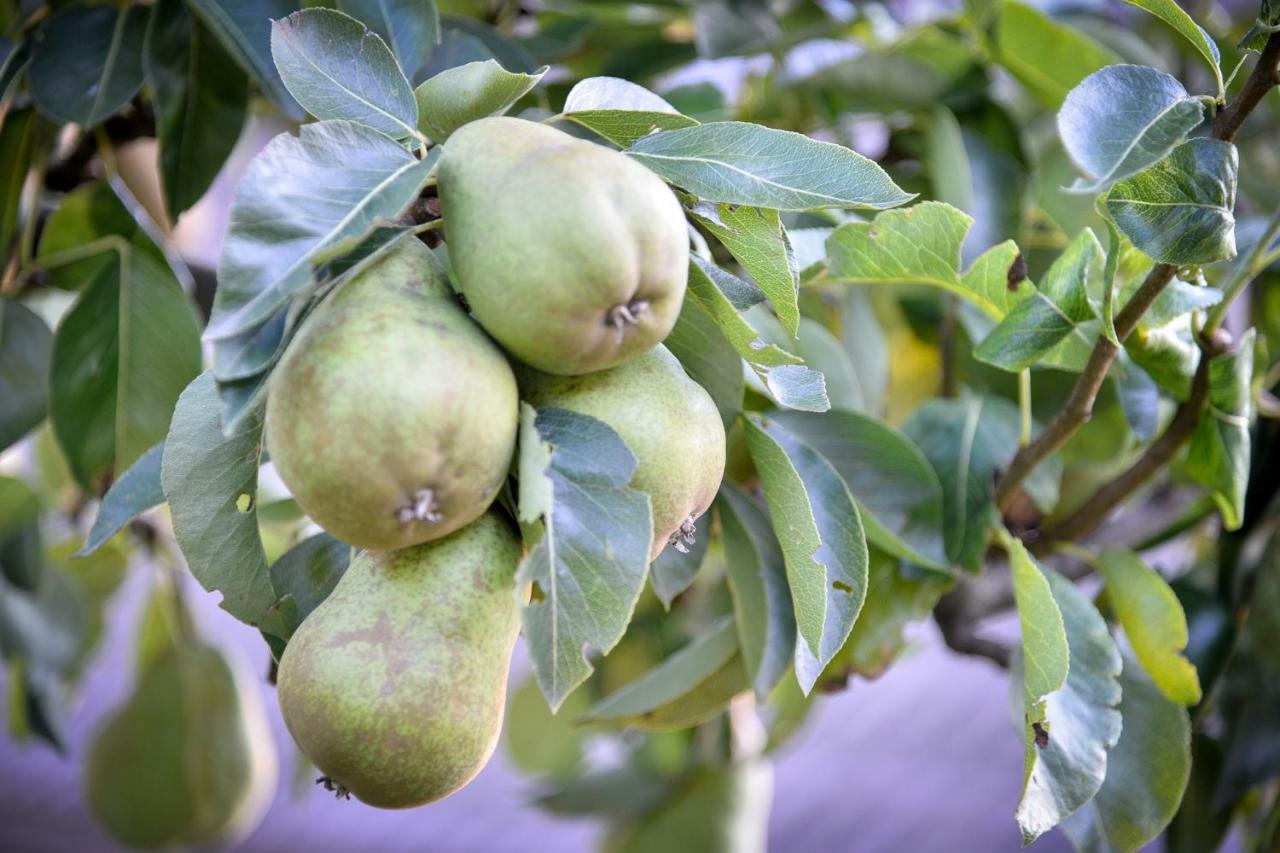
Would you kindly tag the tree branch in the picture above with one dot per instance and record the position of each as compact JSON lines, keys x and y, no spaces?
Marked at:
{"x":1079,"y":406}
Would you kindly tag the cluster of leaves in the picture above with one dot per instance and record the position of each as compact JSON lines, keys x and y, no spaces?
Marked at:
{"x":877,"y":371}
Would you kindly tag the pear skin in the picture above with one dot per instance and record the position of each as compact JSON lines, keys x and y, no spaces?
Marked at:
{"x":392,"y":417}
{"x":395,"y":686}
{"x":669,"y":421}
{"x":572,"y":255}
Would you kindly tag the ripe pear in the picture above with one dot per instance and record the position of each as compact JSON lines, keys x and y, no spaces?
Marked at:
{"x":395,"y":686}
{"x":573,"y":256}
{"x":392,"y":417}
{"x":670,"y":423}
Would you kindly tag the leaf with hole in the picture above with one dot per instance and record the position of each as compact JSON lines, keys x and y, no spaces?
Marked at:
{"x":211,"y":483}
{"x":820,"y":530}
{"x":587,"y":571}
{"x":1072,"y":720}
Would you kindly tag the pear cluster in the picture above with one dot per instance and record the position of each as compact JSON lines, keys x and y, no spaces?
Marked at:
{"x":393,"y":420}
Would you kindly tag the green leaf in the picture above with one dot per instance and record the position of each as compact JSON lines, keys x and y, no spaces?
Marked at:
{"x":738,"y":163}
{"x":897,"y":490}
{"x":708,"y":357}
{"x":411,"y":28}
{"x":1040,"y":323}
{"x":1179,"y":211}
{"x":308,"y":572}
{"x":686,"y":689}
{"x":589,"y":567}
{"x":304,"y":200}
{"x":244,"y":29}
{"x":540,"y":742}
{"x":1152,"y":618}
{"x":715,"y":807}
{"x":791,"y":383}
{"x":755,"y":238}
{"x":1122,"y":119}
{"x":1081,"y":720}
{"x":621,"y":111}
{"x":87,"y":62}
{"x":14,"y":60}
{"x":17,"y":134}
{"x":820,"y":531}
{"x":19,"y":507}
{"x":1045,"y":650}
{"x":968,"y":441}
{"x":253,"y":353}
{"x":121,"y":356}
{"x":211,"y":483}
{"x":468,"y":92}
{"x":337,"y":69}
{"x":1168,"y":354}
{"x":200,"y":101}
{"x":921,"y":245}
{"x":1047,"y":56}
{"x":823,"y":352}
{"x":85,"y":215}
{"x":133,"y":493}
{"x":757,"y":576}
{"x":26,"y":345}
{"x":898,"y":594}
{"x":1175,"y":16}
{"x":1147,"y":772}
{"x":1218,"y":456}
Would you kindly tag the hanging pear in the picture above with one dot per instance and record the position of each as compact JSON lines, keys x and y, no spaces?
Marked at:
{"x":395,"y":686}
{"x":668,"y":421}
{"x":572,"y":255}
{"x":392,"y":417}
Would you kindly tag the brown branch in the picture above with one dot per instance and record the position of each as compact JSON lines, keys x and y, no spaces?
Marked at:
{"x":1153,"y":459}
{"x":1079,"y":406}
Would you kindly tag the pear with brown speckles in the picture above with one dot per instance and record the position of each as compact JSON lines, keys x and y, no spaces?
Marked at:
{"x":392,"y":416}
{"x":395,"y":686}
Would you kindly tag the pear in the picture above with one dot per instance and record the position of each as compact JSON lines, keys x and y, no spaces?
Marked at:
{"x":573,"y":256}
{"x":392,"y":417}
{"x":394,"y":687}
{"x":189,"y":759}
{"x":667,"y":420}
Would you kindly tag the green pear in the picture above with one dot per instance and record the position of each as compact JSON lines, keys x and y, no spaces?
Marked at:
{"x":573,"y":256}
{"x":392,"y":417}
{"x":394,"y":687}
{"x":189,"y":760}
{"x":670,"y":423}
